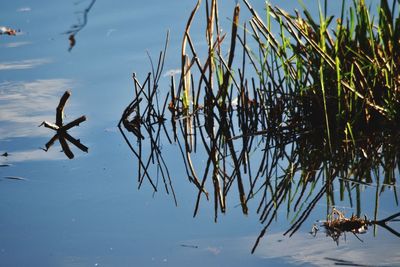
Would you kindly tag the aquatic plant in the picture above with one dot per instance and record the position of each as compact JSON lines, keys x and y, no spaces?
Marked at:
{"x":347,"y":78}
{"x":152,"y":119}
{"x":283,"y":120}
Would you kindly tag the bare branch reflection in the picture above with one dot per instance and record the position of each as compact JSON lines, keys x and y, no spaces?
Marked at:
{"x":76,"y":28}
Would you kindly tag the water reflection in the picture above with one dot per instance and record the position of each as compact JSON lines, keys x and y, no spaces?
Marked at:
{"x":23,"y":64}
{"x":24,"y":104}
{"x":32,"y":155}
{"x":16,"y":44}
{"x":87,"y":211}
{"x":261,"y":138}
{"x":319,"y":251}
{"x":291,"y":173}
{"x":24,"y":9}
{"x":301,"y":250}
{"x":76,"y":28}
{"x":152,"y":118}
{"x":61,"y":129}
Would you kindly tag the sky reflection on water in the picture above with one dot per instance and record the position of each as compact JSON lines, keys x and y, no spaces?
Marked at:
{"x":88,"y":212}
{"x":25,"y":103}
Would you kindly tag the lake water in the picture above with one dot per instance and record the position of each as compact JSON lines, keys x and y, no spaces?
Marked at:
{"x":88,"y":211}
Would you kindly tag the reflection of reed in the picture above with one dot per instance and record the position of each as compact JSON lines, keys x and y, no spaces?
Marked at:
{"x":78,"y":27}
{"x":151,"y":118}
{"x":267,"y":138}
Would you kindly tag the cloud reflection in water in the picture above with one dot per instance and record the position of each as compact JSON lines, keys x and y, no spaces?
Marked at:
{"x":33,"y":155}
{"x":23,"y":64}
{"x":302,"y":248}
{"x":24,"y":105}
{"x":14,"y":45}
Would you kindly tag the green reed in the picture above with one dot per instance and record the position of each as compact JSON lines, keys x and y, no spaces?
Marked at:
{"x":349,"y":73}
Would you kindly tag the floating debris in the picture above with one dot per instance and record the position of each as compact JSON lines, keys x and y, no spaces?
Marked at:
{"x":61,"y":129}
{"x":337,"y":225}
{"x":8,"y":31}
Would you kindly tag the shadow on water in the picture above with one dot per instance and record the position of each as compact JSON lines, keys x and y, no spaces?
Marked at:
{"x":298,"y":130}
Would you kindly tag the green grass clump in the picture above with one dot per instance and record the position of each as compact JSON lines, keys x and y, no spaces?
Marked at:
{"x":343,"y":77}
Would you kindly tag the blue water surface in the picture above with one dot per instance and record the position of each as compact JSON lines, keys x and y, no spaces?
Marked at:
{"x":88,"y":211}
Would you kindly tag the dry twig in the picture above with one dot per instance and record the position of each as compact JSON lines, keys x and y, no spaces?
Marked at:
{"x":62,"y":135}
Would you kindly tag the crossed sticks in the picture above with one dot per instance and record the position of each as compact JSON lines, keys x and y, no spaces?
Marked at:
{"x":62,"y":135}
